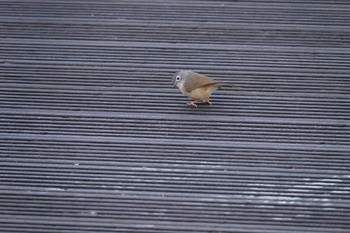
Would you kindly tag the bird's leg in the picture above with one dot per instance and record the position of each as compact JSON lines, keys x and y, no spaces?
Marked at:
{"x":192,"y":104}
{"x":207,"y":101}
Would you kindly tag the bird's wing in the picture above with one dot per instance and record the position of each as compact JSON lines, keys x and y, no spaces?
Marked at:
{"x":195,"y":81}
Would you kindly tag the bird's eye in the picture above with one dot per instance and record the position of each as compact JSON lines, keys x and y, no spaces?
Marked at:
{"x":178,"y":78}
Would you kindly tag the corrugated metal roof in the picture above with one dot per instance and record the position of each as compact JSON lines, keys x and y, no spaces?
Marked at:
{"x":95,"y":139}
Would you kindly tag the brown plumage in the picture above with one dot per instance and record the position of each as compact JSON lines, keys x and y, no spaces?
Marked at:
{"x":196,"y":86}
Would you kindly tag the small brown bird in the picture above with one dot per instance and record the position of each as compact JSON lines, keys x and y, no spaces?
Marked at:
{"x":196,"y":86}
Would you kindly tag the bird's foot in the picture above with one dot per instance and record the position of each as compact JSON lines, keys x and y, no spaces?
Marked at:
{"x":207,"y":102}
{"x":192,"y":104}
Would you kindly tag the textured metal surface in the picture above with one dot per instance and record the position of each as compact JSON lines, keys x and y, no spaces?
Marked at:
{"x":95,"y":139}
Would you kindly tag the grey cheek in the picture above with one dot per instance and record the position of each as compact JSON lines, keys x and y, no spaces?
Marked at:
{"x":180,"y":85}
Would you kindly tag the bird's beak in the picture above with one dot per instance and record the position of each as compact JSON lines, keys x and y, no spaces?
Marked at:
{"x":174,"y":85}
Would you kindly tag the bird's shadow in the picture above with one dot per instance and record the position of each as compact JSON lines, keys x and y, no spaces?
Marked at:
{"x":202,"y":108}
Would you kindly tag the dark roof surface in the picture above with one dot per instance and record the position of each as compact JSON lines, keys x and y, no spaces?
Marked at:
{"x":95,"y":139}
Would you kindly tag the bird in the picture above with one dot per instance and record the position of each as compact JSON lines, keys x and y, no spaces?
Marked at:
{"x":196,"y":86}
